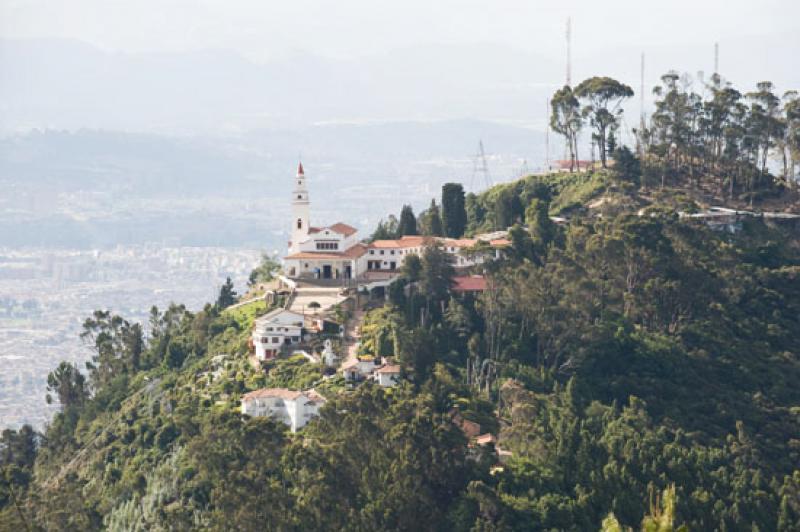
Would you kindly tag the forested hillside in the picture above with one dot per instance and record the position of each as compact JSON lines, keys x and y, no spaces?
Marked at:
{"x":619,"y":351}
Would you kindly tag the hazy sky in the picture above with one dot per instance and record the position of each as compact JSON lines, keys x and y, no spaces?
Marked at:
{"x":264,"y":29}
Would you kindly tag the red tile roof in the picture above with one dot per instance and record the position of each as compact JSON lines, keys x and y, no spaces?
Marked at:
{"x":389,"y":368}
{"x":352,"y":252}
{"x":469,"y":283}
{"x":300,"y":169}
{"x":338,"y":227}
{"x":281,"y":393}
{"x":407,"y":241}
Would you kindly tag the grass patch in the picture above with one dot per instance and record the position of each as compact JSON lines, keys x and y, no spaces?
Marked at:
{"x":246,"y":314}
{"x":573,"y":191}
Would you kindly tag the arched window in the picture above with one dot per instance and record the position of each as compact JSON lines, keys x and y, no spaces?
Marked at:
{"x":299,"y":223}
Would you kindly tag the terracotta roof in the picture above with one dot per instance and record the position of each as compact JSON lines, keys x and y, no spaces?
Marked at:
{"x":343,"y":229}
{"x":459,"y":242}
{"x":469,"y":283}
{"x":389,"y":368}
{"x":352,"y":252}
{"x":315,"y":396}
{"x":485,"y":439}
{"x":338,"y":227}
{"x":414,"y":241}
{"x":281,"y":393}
{"x":407,"y":241}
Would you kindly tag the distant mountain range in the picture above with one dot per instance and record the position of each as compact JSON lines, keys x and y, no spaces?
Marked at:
{"x":68,"y":84}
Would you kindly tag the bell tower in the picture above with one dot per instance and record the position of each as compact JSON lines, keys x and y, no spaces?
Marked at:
{"x":301,"y":210}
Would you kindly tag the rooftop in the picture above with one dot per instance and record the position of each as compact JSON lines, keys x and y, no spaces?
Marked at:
{"x":469,"y":283}
{"x":353,"y":252}
{"x":338,"y":227}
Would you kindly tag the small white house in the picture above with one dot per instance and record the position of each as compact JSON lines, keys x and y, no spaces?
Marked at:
{"x":294,"y":408}
{"x":360,"y":369}
{"x":276,"y":329}
{"x":387,"y":375}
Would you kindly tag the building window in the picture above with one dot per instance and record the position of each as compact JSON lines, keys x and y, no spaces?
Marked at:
{"x":372,"y":252}
{"x":275,"y":339}
{"x":327,"y":245}
{"x":299,"y":223}
{"x":381,"y":252}
{"x":391,"y":252}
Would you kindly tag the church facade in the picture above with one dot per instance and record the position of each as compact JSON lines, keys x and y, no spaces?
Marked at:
{"x":336,"y":251}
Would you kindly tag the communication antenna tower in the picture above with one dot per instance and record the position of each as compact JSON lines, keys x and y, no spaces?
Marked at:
{"x":639,"y":140}
{"x":523,"y":170}
{"x":547,"y":136}
{"x":716,"y":58}
{"x":481,"y":167}
{"x":569,"y":51}
{"x":641,"y":93}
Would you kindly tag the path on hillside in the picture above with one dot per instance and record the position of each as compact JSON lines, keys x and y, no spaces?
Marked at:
{"x":352,"y":337}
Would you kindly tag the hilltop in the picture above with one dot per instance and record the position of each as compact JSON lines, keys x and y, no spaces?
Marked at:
{"x":608,"y":357}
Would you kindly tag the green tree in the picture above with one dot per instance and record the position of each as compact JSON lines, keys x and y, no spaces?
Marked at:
{"x":412,"y":268}
{"x":436,"y":275}
{"x":386,"y":230}
{"x":408,"y":222}
{"x":454,"y":213}
{"x":508,"y":209}
{"x":227,"y":295}
{"x":541,"y":228}
{"x":431,"y":221}
{"x":265,"y":271}
{"x":627,"y":166}
{"x":566,"y":120}
{"x":766,"y":123}
{"x":603,"y":97}
{"x":68,"y":384}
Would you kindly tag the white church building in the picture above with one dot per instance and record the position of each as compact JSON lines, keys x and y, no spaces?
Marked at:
{"x":336,"y":252}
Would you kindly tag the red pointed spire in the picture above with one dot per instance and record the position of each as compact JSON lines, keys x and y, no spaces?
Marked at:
{"x":300,"y":169}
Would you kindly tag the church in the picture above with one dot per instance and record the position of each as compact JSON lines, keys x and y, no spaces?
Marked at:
{"x":336,"y":252}
{"x":330,"y":252}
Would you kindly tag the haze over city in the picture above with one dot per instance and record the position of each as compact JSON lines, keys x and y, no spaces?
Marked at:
{"x":178,"y":124}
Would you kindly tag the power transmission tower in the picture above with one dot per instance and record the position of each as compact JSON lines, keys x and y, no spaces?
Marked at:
{"x":480,"y":166}
{"x":569,"y":51}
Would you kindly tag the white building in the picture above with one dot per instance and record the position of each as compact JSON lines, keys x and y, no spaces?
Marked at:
{"x":329,"y":252}
{"x":293,"y":408}
{"x":387,"y":375}
{"x":335,"y":251}
{"x":276,"y":329}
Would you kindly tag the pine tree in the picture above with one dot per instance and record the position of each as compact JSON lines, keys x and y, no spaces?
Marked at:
{"x":454,"y":213}
{"x":227,"y":295}
{"x":408,"y":222}
{"x":432,"y":221}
